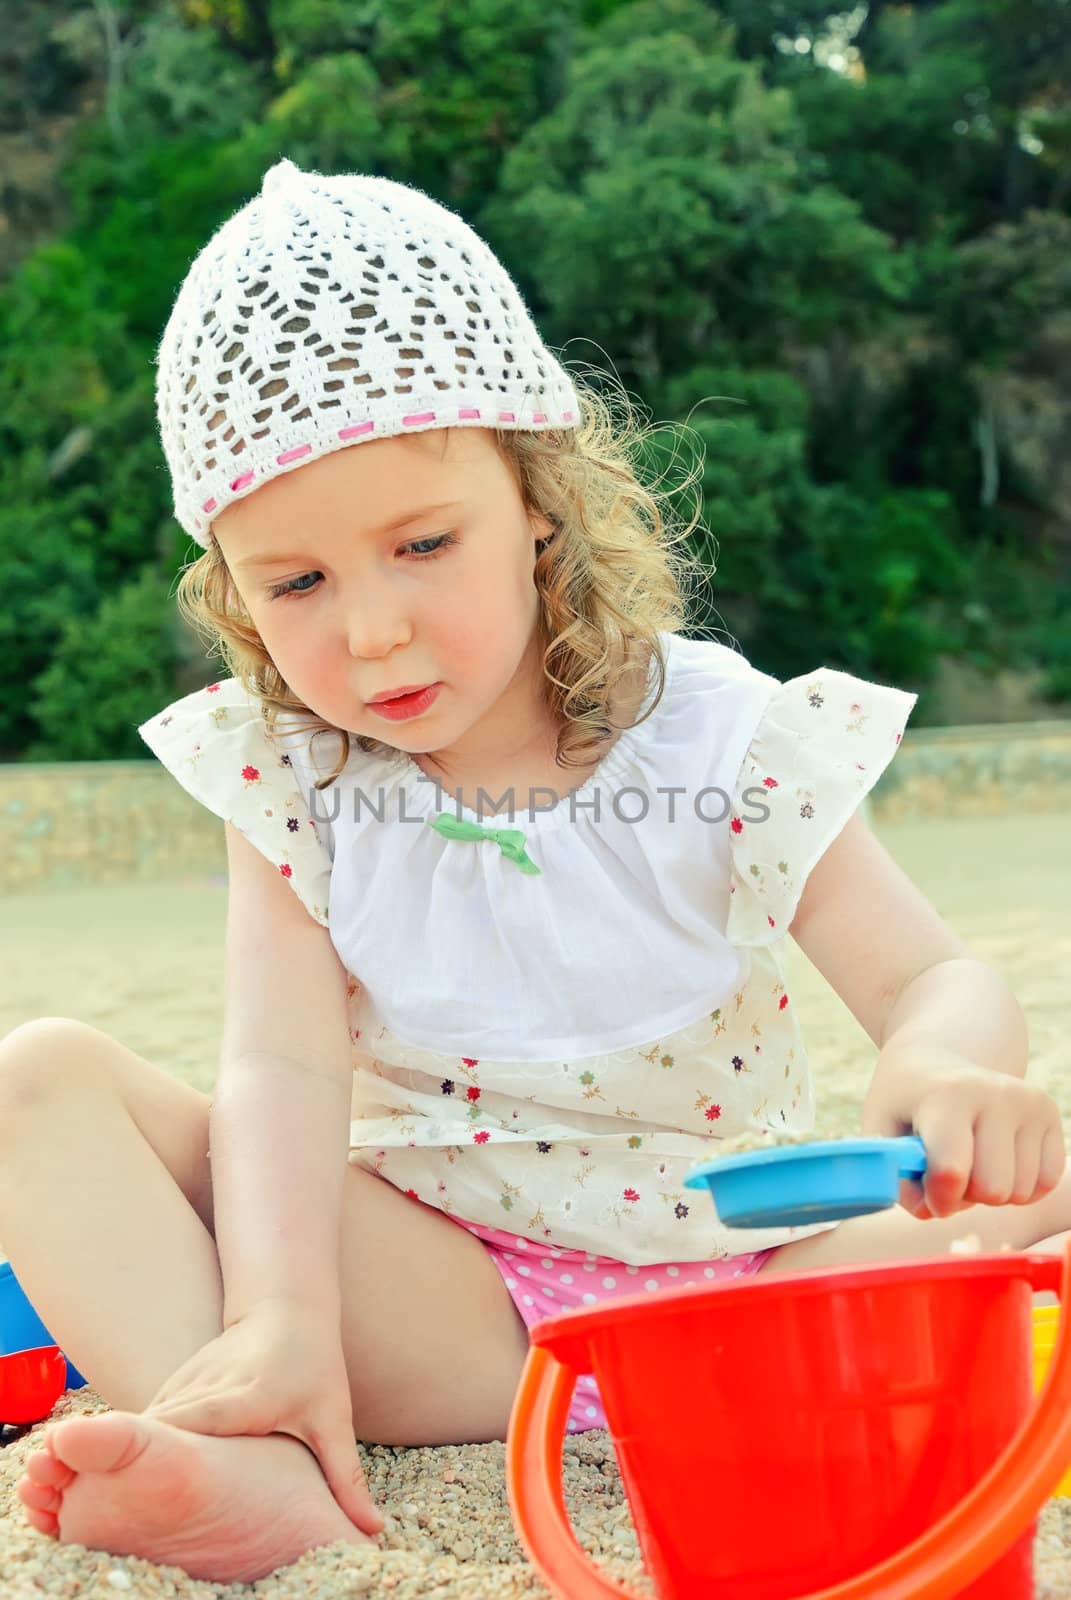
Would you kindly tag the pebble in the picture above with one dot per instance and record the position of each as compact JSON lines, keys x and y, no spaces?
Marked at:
{"x":454,"y":1545}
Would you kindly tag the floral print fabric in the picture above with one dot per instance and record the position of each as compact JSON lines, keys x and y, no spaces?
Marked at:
{"x":586,"y":1151}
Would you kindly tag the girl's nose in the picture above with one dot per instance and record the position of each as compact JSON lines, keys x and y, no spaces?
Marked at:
{"x":374,"y":624}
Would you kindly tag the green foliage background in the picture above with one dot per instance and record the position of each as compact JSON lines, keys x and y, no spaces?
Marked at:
{"x":829,"y":254}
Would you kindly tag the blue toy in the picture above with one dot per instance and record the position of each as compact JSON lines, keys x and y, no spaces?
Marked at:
{"x":821,"y":1182}
{"x":21,"y":1328}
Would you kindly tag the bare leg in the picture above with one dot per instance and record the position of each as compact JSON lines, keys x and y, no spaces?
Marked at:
{"x":140,"y":1280}
{"x":896,"y":1235}
{"x":106,"y":1211}
{"x":79,"y":1184}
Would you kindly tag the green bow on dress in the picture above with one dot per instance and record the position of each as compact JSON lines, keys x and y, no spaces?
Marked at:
{"x":509,"y":840}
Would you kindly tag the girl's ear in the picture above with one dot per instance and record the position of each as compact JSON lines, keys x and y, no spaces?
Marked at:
{"x":549,"y":530}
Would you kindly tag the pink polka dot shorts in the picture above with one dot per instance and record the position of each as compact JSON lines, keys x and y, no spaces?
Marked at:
{"x":546,"y":1282}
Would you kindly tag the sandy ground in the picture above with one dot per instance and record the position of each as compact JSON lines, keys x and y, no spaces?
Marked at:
{"x":143,"y":962}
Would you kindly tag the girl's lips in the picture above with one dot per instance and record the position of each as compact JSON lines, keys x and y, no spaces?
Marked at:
{"x":407,"y":705}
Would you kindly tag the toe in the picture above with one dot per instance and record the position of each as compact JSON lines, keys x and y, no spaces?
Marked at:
{"x":43,"y":1467}
{"x":104,"y":1443}
{"x":38,"y":1495}
{"x":43,"y":1521}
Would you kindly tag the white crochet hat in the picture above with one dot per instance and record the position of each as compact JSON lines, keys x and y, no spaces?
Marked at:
{"x":329,"y":310}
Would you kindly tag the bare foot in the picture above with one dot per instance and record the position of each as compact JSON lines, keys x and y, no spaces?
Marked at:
{"x":229,"y":1510}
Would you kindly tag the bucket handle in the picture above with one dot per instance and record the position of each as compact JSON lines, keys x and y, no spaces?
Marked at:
{"x":937,"y":1566}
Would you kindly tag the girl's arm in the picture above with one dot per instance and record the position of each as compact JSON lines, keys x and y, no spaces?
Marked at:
{"x":899,"y":968}
{"x":281,"y":1108}
{"x":952,"y":1039}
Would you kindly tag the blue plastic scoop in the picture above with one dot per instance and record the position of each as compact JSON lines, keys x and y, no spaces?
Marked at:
{"x":822,"y":1182}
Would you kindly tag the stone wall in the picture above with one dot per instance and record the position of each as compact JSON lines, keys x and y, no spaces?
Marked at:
{"x":1001,"y":769}
{"x":103,"y":821}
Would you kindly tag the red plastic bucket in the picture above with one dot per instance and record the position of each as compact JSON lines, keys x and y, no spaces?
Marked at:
{"x":826,"y":1434}
{"x":31,"y":1381}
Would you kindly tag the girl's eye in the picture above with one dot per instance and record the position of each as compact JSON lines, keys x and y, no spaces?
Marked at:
{"x":439,"y":543}
{"x":290,"y":587}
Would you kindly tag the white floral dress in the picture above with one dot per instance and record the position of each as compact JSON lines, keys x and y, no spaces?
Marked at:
{"x":553,"y":1021}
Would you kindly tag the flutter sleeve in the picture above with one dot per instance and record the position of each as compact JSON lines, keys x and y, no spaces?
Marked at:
{"x":216,"y":743}
{"x":820,"y":745}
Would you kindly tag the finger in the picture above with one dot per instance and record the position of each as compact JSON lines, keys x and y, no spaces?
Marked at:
{"x":192,"y":1378}
{"x":194,"y":1416}
{"x":1028,"y":1143}
{"x":186,"y":1384}
{"x":1054,"y":1162}
{"x":341,"y":1465}
{"x":176,"y":1397}
{"x":171,"y":1390}
{"x":949,"y":1145}
{"x":222,"y":1415}
{"x":181,"y":1400}
{"x":913,"y":1199}
{"x":347,"y":1482}
{"x":993,"y":1169}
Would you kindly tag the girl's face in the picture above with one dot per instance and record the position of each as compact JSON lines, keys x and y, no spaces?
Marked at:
{"x":348,"y":608}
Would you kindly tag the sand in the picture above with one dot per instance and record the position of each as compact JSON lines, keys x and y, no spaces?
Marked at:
{"x":143,"y":962}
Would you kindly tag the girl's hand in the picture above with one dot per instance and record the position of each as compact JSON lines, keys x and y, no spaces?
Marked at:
{"x":279,"y":1369}
{"x":990,"y":1139}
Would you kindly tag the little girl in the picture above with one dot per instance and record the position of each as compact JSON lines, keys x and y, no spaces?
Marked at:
{"x":512,"y":866}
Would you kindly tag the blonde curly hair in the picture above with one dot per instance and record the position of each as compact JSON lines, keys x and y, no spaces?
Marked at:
{"x":609,"y":579}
